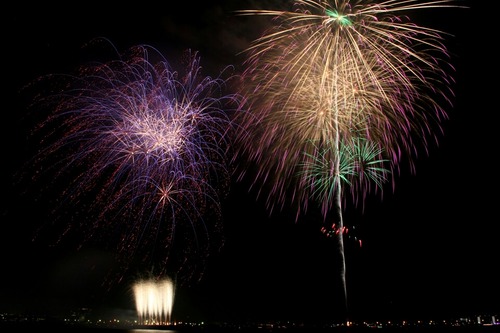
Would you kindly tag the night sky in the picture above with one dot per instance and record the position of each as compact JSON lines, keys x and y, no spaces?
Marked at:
{"x":430,"y":248}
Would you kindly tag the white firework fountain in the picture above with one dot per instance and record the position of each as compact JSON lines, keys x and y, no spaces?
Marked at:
{"x":154,"y":301}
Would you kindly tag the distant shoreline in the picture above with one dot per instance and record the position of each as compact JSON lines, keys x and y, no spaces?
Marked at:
{"x":54,"y":326}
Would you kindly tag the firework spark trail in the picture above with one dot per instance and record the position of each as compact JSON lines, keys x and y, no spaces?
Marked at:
{"x":142,"y":151}
{"x":355,"y":163}
{"x":328,"y":73}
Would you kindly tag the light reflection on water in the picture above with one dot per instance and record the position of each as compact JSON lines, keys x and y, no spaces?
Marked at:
{"x":145,"y":330}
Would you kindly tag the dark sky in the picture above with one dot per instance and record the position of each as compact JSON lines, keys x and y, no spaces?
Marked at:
{"x":430,"y":248}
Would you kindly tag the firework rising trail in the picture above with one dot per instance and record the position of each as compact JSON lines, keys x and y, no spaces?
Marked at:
{"x":141,"y":152}
{"x":355,"y":164}
{"x":328,"y":73}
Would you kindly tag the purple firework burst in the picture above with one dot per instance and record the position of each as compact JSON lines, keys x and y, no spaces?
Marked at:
{"x":139,"y":153}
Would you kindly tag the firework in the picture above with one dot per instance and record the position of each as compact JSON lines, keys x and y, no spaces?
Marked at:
{"x":139,"y":154}
{"x":333,"y":71}
{"x":334,"y":80}
{"x":154,"y":301}
{"x":358,"y":168}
